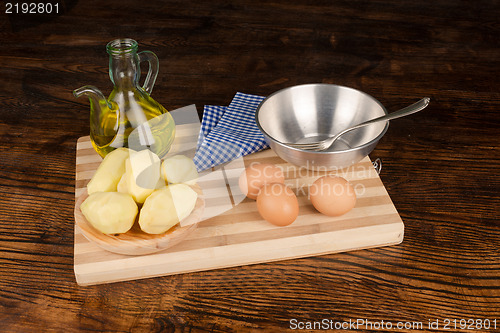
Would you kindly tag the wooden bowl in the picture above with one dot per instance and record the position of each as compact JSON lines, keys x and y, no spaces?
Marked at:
{"x":135,"y":241}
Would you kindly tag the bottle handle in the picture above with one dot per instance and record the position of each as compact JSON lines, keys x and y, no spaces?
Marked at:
{"x":152,"y":59}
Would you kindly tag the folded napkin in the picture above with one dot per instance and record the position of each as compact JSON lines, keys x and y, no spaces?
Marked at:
{"x":229,"y":132}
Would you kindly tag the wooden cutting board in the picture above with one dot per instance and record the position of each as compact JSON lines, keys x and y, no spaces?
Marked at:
{"x":239,"y":236}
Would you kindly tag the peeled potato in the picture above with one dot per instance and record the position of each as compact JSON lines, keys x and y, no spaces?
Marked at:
{"x":110,"y":212}
{"x":109,"y":172}
{"x":122,"y":186}
{"x":179,"y":169}
{"x":161,"y":184}
{"x":166,"y":207}
{"x":142,"y":173}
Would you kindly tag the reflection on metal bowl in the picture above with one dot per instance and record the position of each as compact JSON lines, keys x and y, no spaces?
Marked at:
{"x":313,"y":112}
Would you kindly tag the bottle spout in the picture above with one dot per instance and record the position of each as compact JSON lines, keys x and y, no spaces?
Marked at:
{"x":95,"y":96}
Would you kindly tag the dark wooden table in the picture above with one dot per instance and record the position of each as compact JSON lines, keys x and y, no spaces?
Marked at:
{"x":440,"y":167}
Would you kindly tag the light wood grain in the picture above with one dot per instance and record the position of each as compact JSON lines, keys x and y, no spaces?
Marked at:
{"x":239,"y":236}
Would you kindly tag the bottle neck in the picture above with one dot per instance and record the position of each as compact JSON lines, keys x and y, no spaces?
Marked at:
{"x":124,"y":70}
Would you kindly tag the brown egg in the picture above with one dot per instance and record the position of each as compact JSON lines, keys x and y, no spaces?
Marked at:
{"x":332,"y":195}
{"x":277,"y":204}
{"x":257,"y":175}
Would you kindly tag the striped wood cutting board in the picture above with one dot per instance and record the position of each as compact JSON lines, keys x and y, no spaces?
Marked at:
{"x":239,"y":236}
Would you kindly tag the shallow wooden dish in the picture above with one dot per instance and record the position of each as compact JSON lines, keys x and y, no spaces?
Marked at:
{"x":135,"y":241}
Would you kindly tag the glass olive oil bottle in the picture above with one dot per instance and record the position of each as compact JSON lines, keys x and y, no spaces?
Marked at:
{"x":129,"y":117}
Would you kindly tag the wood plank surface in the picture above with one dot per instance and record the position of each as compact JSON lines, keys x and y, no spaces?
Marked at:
{"x":240,"y":236}
{"x":439,"y":166}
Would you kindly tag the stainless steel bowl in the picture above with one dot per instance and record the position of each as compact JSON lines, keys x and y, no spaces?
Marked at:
{"x":312,"y":112}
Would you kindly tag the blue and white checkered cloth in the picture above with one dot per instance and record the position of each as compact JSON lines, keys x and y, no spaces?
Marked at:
{"x":229,"y":132}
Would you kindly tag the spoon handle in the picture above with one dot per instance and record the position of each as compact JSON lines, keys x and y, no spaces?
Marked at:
{"x":410,"y":109}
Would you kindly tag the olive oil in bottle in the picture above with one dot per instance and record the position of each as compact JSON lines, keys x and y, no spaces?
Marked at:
{"x":129,"y":117}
